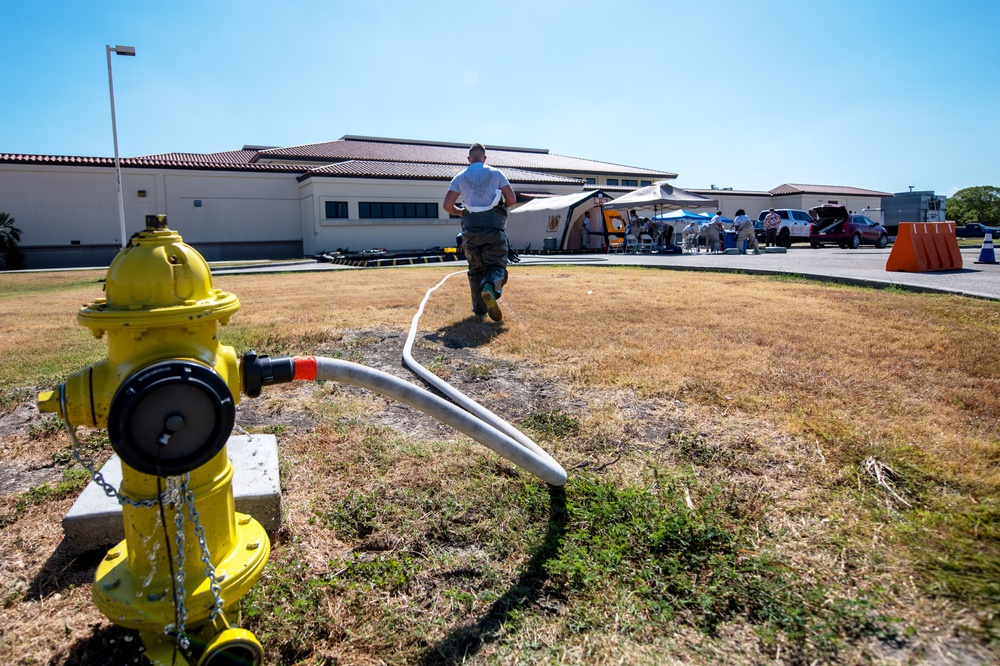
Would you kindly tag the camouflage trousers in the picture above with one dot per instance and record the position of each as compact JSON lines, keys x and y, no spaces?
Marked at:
{"x":486,"y":252}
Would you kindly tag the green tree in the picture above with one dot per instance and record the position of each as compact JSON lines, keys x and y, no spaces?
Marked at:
{"x":10,"y":254}
{"x":975,"y":204}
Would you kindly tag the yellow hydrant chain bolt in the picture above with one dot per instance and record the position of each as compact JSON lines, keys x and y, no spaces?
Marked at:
{"x":167,"y":393}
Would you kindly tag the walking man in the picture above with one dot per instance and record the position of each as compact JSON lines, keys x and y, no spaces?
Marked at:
{"x":486,"y":194}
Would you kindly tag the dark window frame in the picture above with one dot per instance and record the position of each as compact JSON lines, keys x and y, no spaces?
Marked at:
{"x":396,"y":210}
{"x":338,"y":208}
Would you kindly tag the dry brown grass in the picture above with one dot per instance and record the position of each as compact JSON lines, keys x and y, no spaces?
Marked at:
{"x":776,"y":390}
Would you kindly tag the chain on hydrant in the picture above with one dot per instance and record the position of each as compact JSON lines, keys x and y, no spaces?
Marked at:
{"x":167,"y":393}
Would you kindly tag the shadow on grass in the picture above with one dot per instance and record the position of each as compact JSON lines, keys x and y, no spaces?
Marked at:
{"x":465,"y":641}
{"x":109,"y":644}
{"x":63,"y":570}
{"x":468,"y":332}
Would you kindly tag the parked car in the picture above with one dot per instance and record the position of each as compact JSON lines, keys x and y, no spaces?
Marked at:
{"x":835,"y":225}
{"x":976,"y":230}
{"x":794,"y":226}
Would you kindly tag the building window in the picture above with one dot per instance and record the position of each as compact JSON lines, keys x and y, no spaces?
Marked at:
{"x":630,"y":183}
{"x":612,"y":181}
{"x":336,"y":210}
{"x":591,"y":181}
{"x":376,"y":209}
{"x":645,"y":183}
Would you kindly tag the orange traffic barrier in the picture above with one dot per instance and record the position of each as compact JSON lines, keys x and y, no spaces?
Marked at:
{"x":922,"y":247}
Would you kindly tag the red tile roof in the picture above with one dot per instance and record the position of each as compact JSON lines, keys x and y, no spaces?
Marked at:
{"x":398,"y":150}
{"x":244,"y":156}
{"x":609,"y":188}
{"x":170,"y":161}
{"x":378,"y":169}
{"x":728,"y":190}
{"x":793,"y":188}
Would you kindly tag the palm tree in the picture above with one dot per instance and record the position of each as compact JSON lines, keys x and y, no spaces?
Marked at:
{"x":10,"y":254}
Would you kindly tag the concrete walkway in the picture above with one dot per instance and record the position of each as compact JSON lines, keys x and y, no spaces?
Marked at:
{"x":864,"y":266}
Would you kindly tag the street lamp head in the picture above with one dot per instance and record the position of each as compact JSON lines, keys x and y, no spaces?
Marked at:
{"x":123,"y":50}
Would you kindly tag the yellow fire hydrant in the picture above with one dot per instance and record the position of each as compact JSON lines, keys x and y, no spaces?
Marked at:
{"x":167,"y":393}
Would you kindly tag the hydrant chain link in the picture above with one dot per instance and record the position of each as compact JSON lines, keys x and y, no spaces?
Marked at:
{"x":206,"y":556}
{"x":176,"y":487}
{"x":97,"y":477}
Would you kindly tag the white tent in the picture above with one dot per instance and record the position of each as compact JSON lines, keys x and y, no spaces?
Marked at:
{"x":553,"y":223}
{"x":661,"y":196}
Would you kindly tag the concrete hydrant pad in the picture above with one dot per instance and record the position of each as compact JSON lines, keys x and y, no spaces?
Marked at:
{"x":95,"y":520}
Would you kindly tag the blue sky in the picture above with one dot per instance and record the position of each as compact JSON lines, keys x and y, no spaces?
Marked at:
{"x":875,"y":94}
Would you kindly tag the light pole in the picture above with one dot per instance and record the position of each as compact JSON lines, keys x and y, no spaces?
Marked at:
{"x":123,"y":51}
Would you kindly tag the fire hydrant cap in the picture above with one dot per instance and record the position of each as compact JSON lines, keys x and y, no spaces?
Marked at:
{"x":159,"y":280}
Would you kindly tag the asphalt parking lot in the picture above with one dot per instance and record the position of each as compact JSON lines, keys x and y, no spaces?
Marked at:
{"x":864,"y":266}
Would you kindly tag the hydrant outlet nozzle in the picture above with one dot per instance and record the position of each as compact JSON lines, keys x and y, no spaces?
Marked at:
{"x":260,"y":371}
{"x":50,"y":401}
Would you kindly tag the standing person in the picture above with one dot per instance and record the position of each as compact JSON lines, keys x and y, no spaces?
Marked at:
{"x":633,"y":223}
{"x":485,"y":193}
{"x":713,"y":235}
{"x":771,"y":223}
{"x":744,"y":231}
{"x":717,"y":219}
{"x":585,"y":231}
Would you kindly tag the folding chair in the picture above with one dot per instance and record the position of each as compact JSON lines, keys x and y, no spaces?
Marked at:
{"x":645,"y":244}
{"x":631,"y":244}
{"x":615,"y":244}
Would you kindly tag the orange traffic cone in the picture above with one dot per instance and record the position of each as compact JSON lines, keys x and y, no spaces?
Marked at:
{"x":987,"y":255}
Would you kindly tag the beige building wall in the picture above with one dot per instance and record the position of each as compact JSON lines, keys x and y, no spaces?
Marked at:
{"x":753,"y":204}
{"x":68,"y":205}
{"x":320,"y":234}
{"x":219,"y":207}
{"x":853,"y":203}
{"x":60,"y":205}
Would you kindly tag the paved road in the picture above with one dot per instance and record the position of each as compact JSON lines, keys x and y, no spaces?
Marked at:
{"x":861,"y":266}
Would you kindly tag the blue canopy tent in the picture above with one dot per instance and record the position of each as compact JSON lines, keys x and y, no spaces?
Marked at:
{"x":680,"y":217}
{"x":681,"y":214}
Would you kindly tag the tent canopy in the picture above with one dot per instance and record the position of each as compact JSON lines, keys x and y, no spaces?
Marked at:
{"x":681,"y":214}
{"x":557,"y":203}
{"x":661,"y":195}
{"x":558,"y":218}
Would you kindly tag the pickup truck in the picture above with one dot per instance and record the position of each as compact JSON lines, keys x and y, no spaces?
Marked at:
{"x":976,"y":230}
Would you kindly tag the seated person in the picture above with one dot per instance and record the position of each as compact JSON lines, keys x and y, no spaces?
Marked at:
{"x":690,"y":234}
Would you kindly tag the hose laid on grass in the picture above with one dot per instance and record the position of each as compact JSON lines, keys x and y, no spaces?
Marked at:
{"x":468,"y":404}
{"x":317,"y":367}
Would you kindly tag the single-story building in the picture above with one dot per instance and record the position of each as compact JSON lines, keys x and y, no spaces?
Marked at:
{"x":801,"y":197}
{"x":265,"y":202}
{"x":354,"y":193}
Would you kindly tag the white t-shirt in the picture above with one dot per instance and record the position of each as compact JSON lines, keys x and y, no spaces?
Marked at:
{"x":478,"y":184}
